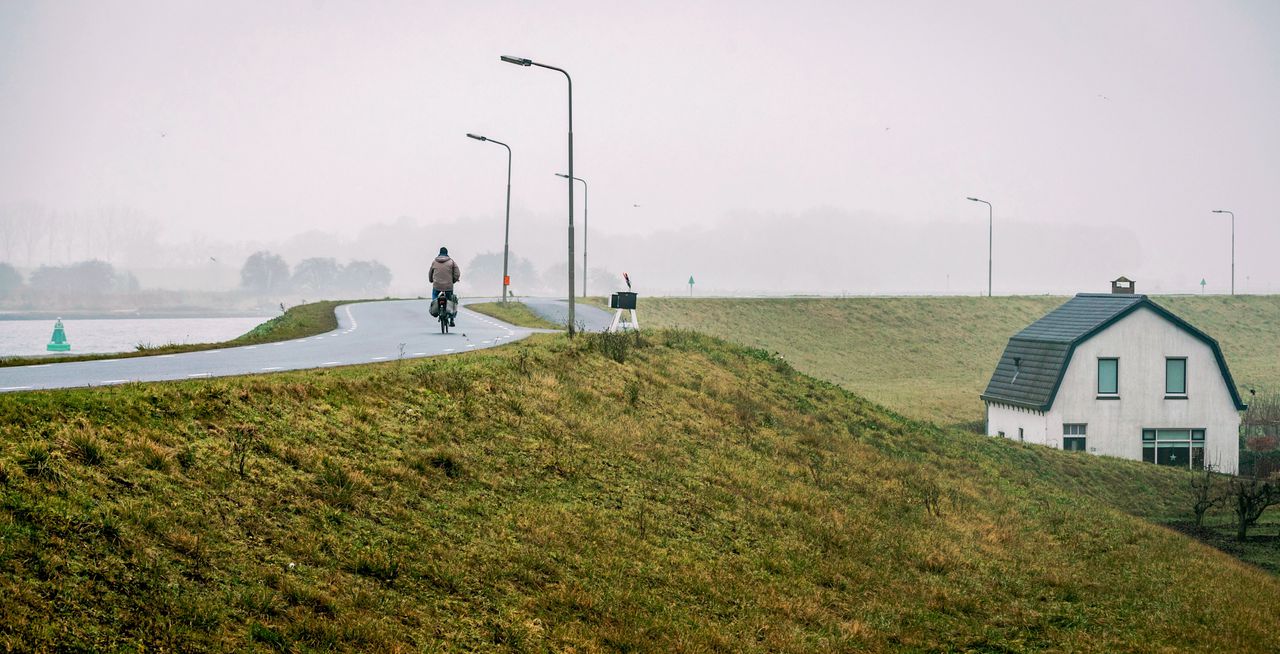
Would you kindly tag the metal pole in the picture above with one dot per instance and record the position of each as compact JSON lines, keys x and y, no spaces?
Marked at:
{"x":990,"y":240}
{"x":506,"y":234}
{"x":528,"y":62}
{"x":586,"y":204}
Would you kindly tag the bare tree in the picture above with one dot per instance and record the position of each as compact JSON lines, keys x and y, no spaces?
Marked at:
{"x":1250,"y":497}
{"x":1208,"y":490}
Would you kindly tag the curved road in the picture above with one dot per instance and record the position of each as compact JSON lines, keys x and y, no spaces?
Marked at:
{"x":367,"y":332}
{"x":588,"y":317}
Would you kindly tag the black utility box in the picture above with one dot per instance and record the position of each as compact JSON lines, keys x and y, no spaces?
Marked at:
{"x":622,"y":300}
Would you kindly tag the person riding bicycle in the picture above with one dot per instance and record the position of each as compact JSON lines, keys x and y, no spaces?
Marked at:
{"x":443,"y":275}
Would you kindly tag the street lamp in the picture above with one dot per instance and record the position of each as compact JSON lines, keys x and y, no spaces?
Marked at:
{"x":528,"y":62}
{"x":990,"y":233}
{"x":586,"y":204}
{"x":1233,"y":248}
{"x":506,"y":234}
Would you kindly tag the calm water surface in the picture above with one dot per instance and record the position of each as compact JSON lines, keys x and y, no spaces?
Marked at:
{"x":29,"y":337}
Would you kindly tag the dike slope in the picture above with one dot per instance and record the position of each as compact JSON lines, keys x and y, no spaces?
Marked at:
{"x":673,"y":493}
{"x":930,"y":357}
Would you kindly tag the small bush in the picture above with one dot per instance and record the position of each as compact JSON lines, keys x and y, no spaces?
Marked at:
{"x":447,"y":463}
{"x":337,"y":486}
{"x":87,"y":449}
{"x":631,"y":391}
{"x":39,"y":462}
{"x":155,"y":458}
{"x":376,"y":564}
{"x":260,"y":633}
{"x":613,"y":345}
{"x":187,"y":458}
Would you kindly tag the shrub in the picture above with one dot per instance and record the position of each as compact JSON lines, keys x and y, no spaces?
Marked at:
{"x":87,"y":449}
{"x":39,"y":462}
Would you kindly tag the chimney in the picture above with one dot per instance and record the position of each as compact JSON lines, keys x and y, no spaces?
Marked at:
{"x":1122,"y":285}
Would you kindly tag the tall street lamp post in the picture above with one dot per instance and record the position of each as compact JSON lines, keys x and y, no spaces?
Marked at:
{"x":528,"y":62}
{"x":1233,"y":248}
{"x":990,"y":233}
{"x":506,"y":233}
{"x":586,"y":206}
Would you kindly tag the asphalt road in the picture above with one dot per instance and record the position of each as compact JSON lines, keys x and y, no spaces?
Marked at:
{"x":367,"y":332}
{"x":589,"y":318}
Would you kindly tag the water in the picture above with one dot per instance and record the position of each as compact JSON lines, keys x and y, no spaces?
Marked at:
{"x":93,"y":336}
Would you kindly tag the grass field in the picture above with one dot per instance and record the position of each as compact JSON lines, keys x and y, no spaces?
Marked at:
{"x":930,"y":357}
{"x":515,"y":313}
{"x":674,"y":494}
{"x":298,"y":322}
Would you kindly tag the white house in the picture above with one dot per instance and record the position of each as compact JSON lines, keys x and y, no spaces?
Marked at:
{"x":1118,"y":374}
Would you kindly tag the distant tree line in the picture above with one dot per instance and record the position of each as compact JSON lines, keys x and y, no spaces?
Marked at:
{"x":267,"y":274}
{"x":81,"y":280}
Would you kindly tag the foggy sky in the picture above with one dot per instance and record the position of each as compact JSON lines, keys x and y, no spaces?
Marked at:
{"x":841,"y":137}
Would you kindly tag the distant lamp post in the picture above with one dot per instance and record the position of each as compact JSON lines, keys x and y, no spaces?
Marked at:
{"x":506,"y":233}
{"x":529,"y":62}
{"x":586,"y":205}
{"x":990,"y":234}
{"x":1233,"y":248}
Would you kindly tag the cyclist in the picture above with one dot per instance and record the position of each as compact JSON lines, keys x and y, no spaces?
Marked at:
{"x":443,"y":275}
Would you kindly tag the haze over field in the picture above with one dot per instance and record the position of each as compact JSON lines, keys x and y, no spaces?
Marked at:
{"x":759,"y":147}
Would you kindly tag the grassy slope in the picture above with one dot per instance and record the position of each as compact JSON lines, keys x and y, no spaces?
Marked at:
{"x":931,"y":357}
{"x":298,"y":322}
{"x":515,"y":313}
{"x":699,"y":497}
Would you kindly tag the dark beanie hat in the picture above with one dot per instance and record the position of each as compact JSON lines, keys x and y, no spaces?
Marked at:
{"x":444,"y":251}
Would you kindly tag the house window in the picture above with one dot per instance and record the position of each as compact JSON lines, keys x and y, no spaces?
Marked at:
{"x":1183,"y":448}
{"x":1073,"y":437}
{"x":1108,"y":376}
{"x":1175,"y":376}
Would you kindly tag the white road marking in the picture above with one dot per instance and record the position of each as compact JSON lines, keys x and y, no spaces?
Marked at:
{"x":419,"y":354}
{"x":448,"y":349}
{"x":166,"y":356}
{"x":43,"y":365}
{"x":331,"y":363}
{"x":201,"y":374}
{"x":252,"y":347}
{"x":471,"y":344}
{"x":378,"y":359}
{"x":212,"y":351}
{"x":14,"y":388}
{"x":114,"y":381}
{"x":272,"y":368}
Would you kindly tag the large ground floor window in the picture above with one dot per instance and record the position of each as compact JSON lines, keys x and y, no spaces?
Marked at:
{"x":1174,"y":447}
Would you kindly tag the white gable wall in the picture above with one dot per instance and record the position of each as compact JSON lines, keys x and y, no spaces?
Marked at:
{"x":1141,"y":341}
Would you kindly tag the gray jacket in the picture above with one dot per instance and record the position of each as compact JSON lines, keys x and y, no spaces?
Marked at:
{"x":444,"y":273}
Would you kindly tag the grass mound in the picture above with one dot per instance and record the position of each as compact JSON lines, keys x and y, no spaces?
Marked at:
{"x":930,"y":357}
{"x":662,"y":492}
{"x":298,"y":322}
{"x":515,"y":313}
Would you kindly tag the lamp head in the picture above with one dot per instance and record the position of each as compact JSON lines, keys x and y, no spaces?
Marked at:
{"x":562,"y":175}
{"x":478,"y":138}
{"x":974,"y":199}
{"x":1219,"y":211}
{"x":517,"y":61}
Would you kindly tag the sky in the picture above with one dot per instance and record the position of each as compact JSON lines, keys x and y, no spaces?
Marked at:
{"x":759,"y":146}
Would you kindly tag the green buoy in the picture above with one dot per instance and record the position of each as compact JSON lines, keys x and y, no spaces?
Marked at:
{"x":58,"y":343}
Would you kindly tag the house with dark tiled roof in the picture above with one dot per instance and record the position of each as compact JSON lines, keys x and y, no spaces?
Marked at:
{"x":1119,"y":375}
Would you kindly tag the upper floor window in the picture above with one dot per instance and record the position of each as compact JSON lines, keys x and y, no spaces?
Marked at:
{"x":1108,"y":376}
{"x":1175,"y":376}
